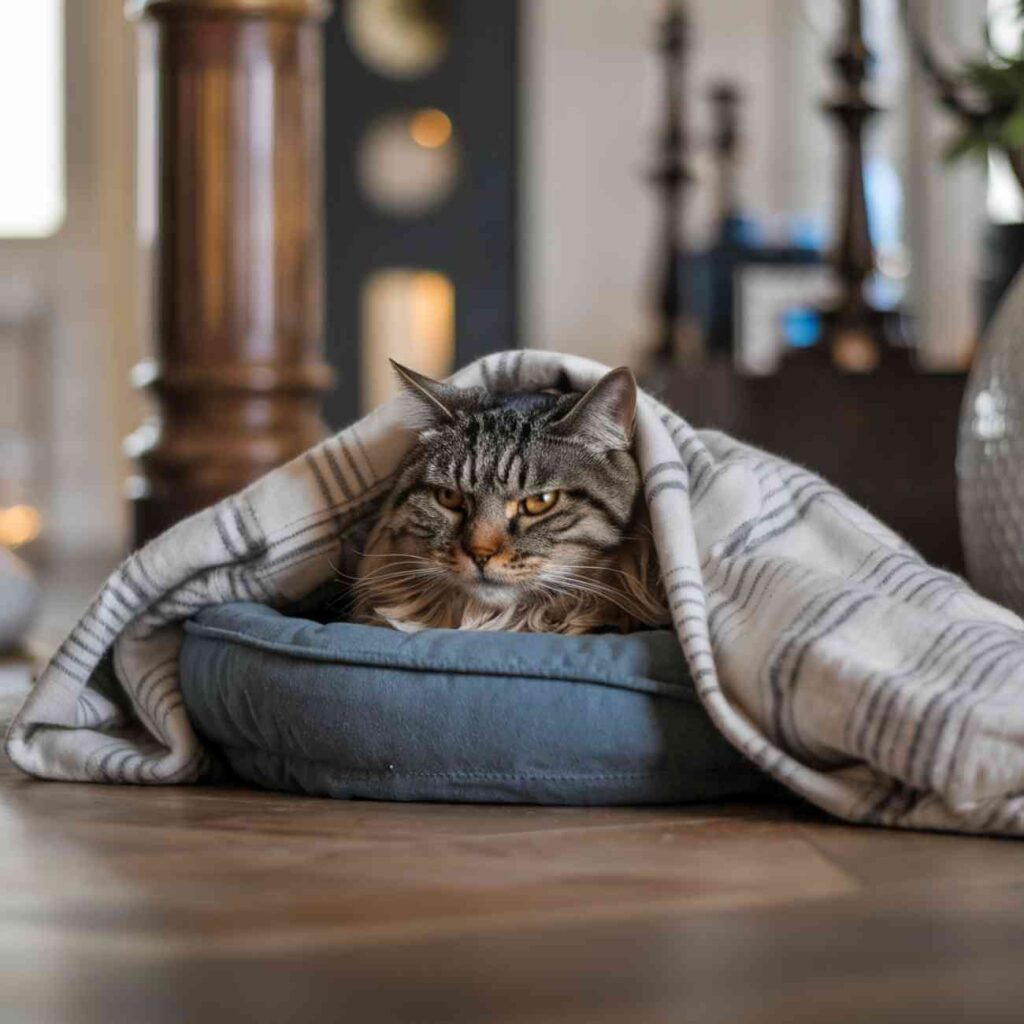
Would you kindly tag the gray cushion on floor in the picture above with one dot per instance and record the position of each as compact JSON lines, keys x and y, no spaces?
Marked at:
{"x":347,"y":710}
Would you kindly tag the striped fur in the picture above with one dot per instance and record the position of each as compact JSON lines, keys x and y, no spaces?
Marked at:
{"x":586,"y":563}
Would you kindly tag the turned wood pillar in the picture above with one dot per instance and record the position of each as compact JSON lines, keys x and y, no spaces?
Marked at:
{"x":237,"y":373}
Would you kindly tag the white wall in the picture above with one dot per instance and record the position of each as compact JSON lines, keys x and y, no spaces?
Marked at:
{"x":946,"y":207}
{"x":593,"y":99}
{"x":85,"y":279}
{"x":592,"y":113}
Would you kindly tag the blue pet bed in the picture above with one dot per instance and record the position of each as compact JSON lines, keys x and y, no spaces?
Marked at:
{"x":346,"y":710}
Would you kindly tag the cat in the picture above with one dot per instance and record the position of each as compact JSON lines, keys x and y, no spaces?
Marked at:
{"x":515,"y":511}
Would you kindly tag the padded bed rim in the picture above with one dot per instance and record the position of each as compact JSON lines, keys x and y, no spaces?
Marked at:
{"x":354,"y":656}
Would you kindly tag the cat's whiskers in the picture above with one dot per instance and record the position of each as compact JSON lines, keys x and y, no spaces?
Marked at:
{"x":591,"y":584}
{"x":393,"y":555}
{"x":402,"y":590}
{"x":387,"y":572}
{"x":601,"y":569}
{"x":600,"y":590}
{"x":398,"y":582}
{"x":401,"y":559}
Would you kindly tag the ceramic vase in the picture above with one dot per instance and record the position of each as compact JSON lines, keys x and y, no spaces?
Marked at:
{"x":990,"y":457}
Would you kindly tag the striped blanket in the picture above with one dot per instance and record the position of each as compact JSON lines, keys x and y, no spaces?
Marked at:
{"x":822,"y":646}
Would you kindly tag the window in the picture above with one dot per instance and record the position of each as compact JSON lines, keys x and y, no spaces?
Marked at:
{"x":31,"y":118}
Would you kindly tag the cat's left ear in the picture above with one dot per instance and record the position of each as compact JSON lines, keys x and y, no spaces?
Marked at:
{"x":606,"y":414}
{"x":438,"y":398}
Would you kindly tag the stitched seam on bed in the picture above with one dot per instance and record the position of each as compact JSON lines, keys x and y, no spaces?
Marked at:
{"x":482,"y":775}
{"x":674,"y":691}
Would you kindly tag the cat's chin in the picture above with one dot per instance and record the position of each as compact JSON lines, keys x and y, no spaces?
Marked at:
{"x":491,"y":594}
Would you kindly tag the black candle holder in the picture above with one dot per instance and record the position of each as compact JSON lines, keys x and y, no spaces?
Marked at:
{"x":725,"y":141}
{"x":855,"y":331}
{"x":671,"y":177}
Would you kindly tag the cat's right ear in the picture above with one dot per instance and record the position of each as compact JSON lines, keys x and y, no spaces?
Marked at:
{"x":438,"y":398}
{"x":606,"y":414}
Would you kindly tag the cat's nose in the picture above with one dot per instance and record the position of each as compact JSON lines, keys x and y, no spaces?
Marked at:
{"x":481,"y":553}
{"x":482,"y":545}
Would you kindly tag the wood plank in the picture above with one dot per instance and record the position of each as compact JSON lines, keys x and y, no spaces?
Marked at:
{"x":853,"y":958}
{"x":175,"y":874}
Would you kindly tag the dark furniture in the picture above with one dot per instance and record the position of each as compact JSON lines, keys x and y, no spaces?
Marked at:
{"x":888,"y":438}
{"x":470,"y":236}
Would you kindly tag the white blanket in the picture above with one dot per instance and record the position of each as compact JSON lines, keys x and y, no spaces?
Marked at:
{"x":822,"y":646}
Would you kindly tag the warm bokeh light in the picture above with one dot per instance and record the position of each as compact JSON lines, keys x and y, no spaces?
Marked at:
{"x":855,"y":352}
{"x":408,"y":163}
{"x":399,"y":38}
{"x":19,"y":524}
{"x":430,"y":128}
{"x":408,"y":315}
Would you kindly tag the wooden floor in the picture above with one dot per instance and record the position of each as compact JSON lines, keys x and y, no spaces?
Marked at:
{"x":223,"y":905}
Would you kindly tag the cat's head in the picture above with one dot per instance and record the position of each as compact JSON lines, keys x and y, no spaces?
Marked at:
{"x":508,"y":496}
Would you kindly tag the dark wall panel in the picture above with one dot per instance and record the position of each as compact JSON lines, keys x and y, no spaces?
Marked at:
{"x":471,"y":236}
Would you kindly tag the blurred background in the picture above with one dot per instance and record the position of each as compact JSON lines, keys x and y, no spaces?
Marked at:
{"x":637,"y":181}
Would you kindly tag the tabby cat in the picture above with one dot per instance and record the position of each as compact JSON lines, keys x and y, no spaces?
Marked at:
{"x":517,"y":512}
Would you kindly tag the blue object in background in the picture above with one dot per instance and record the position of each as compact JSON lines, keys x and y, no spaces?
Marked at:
{"x":801,"y":327}
{"x":805,"y":231}
{"x":884,"y":193}
{"x":743,"y":232}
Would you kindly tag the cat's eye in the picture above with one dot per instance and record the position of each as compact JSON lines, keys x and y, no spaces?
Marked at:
{"x":537,"y":503}
{"x":449,"y":498}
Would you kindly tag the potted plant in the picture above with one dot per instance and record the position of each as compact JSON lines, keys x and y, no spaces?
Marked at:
{"x":986,"y":96}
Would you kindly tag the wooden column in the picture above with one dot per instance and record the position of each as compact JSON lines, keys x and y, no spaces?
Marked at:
{"x":238,"y":372}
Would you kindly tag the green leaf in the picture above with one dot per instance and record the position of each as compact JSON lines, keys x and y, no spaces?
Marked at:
{"x":997,"y":81}
{"x":969,"y":144}
{"x":1011,"y":131}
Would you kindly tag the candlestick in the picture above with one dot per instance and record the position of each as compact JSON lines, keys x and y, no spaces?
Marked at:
{"x":671,"y":177}
{"x":853,"y":324}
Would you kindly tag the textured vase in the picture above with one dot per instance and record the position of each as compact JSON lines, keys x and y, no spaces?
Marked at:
{"x":990,"y":458}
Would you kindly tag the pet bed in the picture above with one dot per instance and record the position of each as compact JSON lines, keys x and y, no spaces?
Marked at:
{"x":348,"y":710}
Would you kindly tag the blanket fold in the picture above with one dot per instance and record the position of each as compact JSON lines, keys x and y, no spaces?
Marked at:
{"x":823,"y":647}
